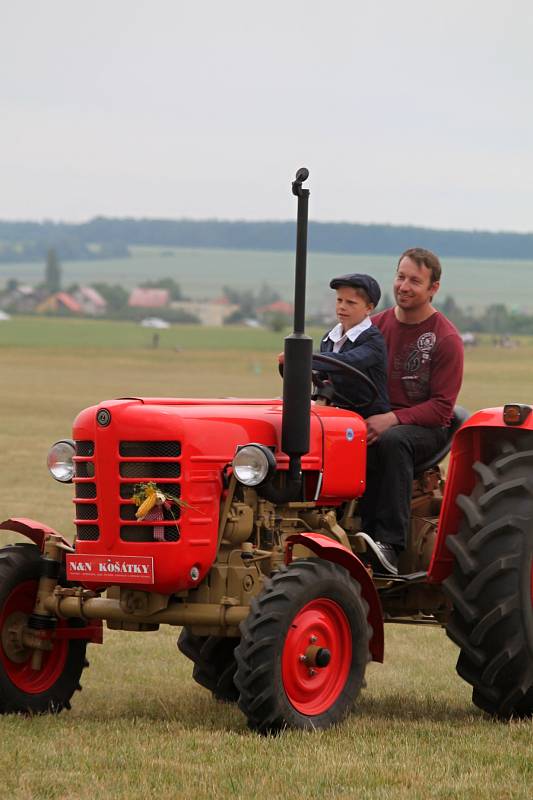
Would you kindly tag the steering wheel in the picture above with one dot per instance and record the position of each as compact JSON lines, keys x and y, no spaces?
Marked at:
{"x":349,"y":370}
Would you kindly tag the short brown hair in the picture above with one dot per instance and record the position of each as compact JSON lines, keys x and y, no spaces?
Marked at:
{"x":424,"y":258}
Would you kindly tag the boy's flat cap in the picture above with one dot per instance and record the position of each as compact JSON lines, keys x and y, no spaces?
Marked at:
{"x":359,"y":281}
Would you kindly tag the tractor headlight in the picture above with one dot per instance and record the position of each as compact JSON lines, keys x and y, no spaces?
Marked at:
{"x":60,"y":460}
{"x":253,"y":464}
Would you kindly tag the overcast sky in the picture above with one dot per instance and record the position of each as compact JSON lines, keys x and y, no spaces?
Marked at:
{"x":408,"y":112}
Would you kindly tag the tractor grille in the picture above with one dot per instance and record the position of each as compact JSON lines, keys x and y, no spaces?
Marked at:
{"x":150,"y":449}
{"x":85,"y":490}
{"x":149,"y":469}
{"x":84,"y":469}
{"x":134,"y":467}
{"x":145,"y":533}
{"x":85,"y":449}
{"x":86,"y":511}
{"x":127,"y":489}
{"x":87,"y":533}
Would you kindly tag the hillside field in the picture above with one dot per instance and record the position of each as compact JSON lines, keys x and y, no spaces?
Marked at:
{"x":141,"y":728}
{"x":202,"y":273}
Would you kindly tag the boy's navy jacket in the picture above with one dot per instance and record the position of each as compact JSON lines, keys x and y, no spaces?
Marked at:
{"x":369,"y":354}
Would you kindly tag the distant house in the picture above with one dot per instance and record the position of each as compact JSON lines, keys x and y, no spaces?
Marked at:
{"x":279,"y":307}
{"x":149,"y":298}
{"x":23,"y":299}
{"x":275,"y":315}
{"x":212,"y":313}
{"x":61,"y":302}
{"x":90,"y":301}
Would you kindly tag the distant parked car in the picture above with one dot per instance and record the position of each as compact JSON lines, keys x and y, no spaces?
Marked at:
{"x":155,"y":322}
{"x":469,"y":339}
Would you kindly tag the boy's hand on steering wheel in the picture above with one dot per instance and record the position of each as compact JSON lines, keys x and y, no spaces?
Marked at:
{"x":378,"y":424}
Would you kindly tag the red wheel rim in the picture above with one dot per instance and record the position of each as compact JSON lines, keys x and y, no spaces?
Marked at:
{"x":28,"y":680}
{"x":313,"y":690}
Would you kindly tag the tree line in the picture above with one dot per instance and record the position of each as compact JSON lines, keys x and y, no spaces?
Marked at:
{"x":104,"y":237}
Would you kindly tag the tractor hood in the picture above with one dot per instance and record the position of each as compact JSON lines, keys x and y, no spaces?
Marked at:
{"x":210,"y":430}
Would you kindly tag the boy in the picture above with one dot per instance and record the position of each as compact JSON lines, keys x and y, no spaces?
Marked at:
{"x":357,"y":342}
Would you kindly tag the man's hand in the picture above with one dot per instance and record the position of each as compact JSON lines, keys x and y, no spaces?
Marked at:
{"x":281,"y":358}
{"x":378,"y":424}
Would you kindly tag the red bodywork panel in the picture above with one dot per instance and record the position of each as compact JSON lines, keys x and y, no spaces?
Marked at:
{"x":331,"y":550}
{"x":208,"y":432}
{"x":36,"y":531}
{"x":469,"y":445}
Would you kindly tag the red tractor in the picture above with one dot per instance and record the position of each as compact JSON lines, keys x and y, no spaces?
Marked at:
{"x":237,"y":520}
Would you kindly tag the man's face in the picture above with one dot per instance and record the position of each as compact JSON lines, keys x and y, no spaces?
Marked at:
{"x":351,"y":308}
{"x":413,"y":287}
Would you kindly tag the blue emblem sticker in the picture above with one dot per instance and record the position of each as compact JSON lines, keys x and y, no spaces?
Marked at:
{"x":350,"y":434}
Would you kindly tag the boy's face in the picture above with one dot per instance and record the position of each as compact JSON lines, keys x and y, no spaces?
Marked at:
{"x":351,"y":308}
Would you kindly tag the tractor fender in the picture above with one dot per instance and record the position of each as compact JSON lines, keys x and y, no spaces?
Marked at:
{"x":36,"y":531}
{"x":469,"y":445}
{"x":330,"y":550}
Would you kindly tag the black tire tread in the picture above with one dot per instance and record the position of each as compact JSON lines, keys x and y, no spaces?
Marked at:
{"x":214,"y":663}
{"x":492,"y":619}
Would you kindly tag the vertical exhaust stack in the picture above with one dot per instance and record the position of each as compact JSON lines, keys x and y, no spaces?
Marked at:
{"x":298,"y":350}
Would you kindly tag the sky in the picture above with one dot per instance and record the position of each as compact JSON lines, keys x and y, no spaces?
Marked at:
{"x":404,"y":112}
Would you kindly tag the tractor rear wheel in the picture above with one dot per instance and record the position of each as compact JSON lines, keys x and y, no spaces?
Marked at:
{"x":214,"y":663}
{"x":304,"y":648}
{"x":23,"y":689}
{"x":491,"y":587}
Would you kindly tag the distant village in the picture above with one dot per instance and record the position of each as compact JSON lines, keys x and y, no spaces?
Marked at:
{"x":160,"y":302}
{"x":88,"y":301}
{"x":156,"y":299}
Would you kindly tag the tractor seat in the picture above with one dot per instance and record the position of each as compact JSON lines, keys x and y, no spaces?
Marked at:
{"x":460,"y":415}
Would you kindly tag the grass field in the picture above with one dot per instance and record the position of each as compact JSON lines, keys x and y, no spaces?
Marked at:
{"x":202,"y":273}
{"x":142,"y":728}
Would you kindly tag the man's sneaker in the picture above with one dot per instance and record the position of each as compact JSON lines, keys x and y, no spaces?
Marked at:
{"x":382,"y":557}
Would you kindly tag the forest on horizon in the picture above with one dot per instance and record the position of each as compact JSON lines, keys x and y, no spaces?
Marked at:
{"x":104,"y":237}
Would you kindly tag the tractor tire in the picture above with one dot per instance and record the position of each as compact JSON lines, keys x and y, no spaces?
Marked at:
{"x":214,"y":663}
{"x":308,"y":606}
{"x":491,"y":586}
{"x":22,"y":689}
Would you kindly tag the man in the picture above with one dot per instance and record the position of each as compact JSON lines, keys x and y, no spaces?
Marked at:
{"x":425,"y":370}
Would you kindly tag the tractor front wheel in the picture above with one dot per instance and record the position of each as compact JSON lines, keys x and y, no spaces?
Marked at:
{"x":22,"y":688}
{"x":491,"y":587}
{"x":304,"y":648}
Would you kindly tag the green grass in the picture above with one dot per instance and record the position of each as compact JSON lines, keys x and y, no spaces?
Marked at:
{"x":68,"y":334}
{"x":141,"y":728}
{"x":89,"y":334}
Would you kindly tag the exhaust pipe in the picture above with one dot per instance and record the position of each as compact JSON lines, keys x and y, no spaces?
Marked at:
{"x":298,"y":354}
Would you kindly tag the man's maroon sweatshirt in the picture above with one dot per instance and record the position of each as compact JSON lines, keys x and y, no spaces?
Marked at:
{"x":425,"y":368}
